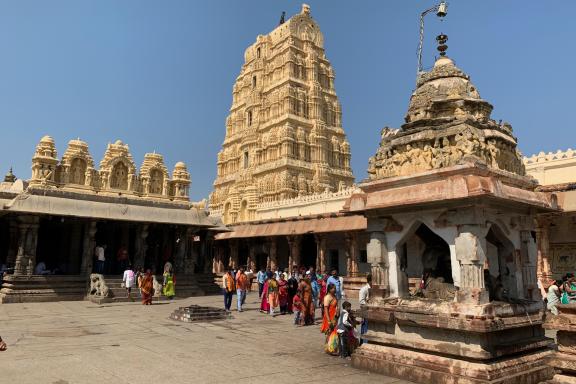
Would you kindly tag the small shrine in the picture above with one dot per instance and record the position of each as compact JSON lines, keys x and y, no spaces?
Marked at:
{"x":452,"y":244}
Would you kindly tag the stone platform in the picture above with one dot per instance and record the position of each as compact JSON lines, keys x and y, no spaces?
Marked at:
{"x":564,"y":359}
{"x":40,"y":288}
{"x":197,"y":313}
{"x":433,"y":341}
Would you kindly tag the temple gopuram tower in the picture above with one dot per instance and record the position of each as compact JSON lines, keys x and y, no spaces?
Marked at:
{"x":284,"y":135}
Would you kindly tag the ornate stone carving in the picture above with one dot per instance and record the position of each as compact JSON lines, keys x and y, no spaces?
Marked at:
{"x":447,"y":123}
{"x":283,"y":135}
{"x":77,"y":164}
{"x":98,"y":287}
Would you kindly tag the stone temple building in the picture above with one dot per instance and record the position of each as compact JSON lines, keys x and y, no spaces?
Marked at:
{"x":69,"y":206}
{"x":452,"y":243}
{"x":556,"y":232}
{"x":284,"y":135}
{"x":284,"y":169}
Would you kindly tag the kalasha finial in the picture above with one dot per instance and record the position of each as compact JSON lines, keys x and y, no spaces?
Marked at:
{"x":442,"y":47}
{"x":282,"y":18}
{"x":10,"y":177}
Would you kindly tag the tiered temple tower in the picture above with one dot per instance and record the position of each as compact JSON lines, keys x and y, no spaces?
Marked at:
{"x":284,"y":135}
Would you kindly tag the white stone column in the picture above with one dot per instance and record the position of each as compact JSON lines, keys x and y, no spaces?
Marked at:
{"x":471,"y":253}
{"x":377,"y":253}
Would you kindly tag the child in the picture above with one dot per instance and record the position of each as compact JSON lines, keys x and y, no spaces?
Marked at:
{"x":346,"y":331}
{"x":296,"y":307}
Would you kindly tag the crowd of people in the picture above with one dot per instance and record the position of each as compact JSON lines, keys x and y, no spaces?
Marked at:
{"x":561,"y":291}
{"x":144,"y":281}
{"x":300,"y":294}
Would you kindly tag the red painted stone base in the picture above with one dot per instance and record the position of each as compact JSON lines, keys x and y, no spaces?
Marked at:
{"x":428,"y":368}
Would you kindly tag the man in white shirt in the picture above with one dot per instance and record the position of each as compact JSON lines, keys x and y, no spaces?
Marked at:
{"x":99,"y":252}
{"x":363,"y":297}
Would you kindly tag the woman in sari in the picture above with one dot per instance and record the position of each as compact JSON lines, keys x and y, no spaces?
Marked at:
{"x":169,"y":283}
{"x":272,"y":294}
{"x":307,"y":302}
{"x":264,"y":306}
{"x":283,"y":294}
{"x":330,"y":321}
{"x":323,"y":286}
{"x":146,"y":288}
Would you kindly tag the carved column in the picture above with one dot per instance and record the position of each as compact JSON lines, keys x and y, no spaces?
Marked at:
{"x":529,"y":258}
{"x":251,"y":257}
{"x":141,"y":246}
{"x":351,"y":251}
{"x":272,"y":254}
{"x":88,"y":246}
{"x":181,"y":250}
{"x":27,"y":241}
{"x":471,"y":253}
{"x":233,"y":263}
{"x":543,"y":243}
{"x":321,"y":254}
{"x":13,"y":245}
{"x":294,"y":243}
{"x":377,"y":253}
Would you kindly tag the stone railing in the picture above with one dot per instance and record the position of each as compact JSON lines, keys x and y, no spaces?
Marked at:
{"x":324,"y":196}
{"x":550,"y":156}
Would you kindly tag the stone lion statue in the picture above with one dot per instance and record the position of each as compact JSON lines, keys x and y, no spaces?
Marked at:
{"x":98,"y":286}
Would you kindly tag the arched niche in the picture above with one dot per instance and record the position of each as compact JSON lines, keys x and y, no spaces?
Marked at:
{"x":244,"y":210}
{"x":156,"y":185}
{"x":500,"y":269}
{"x":119,"y":176}
{"x":78,"y":171}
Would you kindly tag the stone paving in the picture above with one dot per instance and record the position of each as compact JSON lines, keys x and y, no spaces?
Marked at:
{"x":81,"y":342}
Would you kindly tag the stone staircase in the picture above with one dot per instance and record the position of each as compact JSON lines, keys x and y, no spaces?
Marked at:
{"x":186,"y":286}
{"x":42,"y":288}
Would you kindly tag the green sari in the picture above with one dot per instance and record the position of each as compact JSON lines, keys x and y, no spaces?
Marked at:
{"x":168,"y":289}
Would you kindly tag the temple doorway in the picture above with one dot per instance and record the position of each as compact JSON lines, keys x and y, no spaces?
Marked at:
{"x":60,"y":244}
{"x":308,"y":251}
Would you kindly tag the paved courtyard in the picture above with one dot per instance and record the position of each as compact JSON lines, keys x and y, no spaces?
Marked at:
{"x":81,"y":342}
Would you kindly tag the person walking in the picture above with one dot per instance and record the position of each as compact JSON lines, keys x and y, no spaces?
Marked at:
{"x":228,"y":288}
{"x":272,"y":294}
{"x":147,"y":288}
{"x":241,"y":288}
{"x":335,"y":280}
{"x":363,"y":297}
{"x":330,"y":320}
{"x":292,"y":290}
{"x":307,"y":306}
{"x":347,"y":331}
{"x":261,"y":277}
{"x":283,"y":294}
{"x":169,"y":282}
{"x":129,"y":280}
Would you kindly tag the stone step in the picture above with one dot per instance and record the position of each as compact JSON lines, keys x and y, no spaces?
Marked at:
{"x":196,"y":313}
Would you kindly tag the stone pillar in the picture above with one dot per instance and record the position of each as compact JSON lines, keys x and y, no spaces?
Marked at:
{"x":141,"y":246}
{"x":321,"y":254}
{"x":233,"y":263}
{"x":471,"y":253}
{"x":27,"y":241}
{"x":181,"y":250}
{"x":377,"y":253}
{"x":272,"y":262}
{"x":251,"y":257}
{"x":13,"y":245}
{"x":74,"y":247}
{"x":294,"y":242}
{"x":529,"y":256}
{"x":88,"y":246}
{"x":543,"y":242}
{"x":352,"y":254}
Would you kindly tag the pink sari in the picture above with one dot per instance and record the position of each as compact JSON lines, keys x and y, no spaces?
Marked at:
{"x":264,"y":306}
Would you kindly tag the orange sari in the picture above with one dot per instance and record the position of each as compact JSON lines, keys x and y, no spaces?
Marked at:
{"x":330,"y":318}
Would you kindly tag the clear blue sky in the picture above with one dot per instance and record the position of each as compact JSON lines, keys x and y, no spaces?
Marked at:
{"x":159,"y":74}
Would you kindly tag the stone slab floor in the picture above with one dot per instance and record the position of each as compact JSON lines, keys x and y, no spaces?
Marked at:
{"x":81,"y":342}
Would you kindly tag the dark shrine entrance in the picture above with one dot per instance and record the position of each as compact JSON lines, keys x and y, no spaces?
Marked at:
{"x":60,"y":244}
{"x":308,"y":251}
